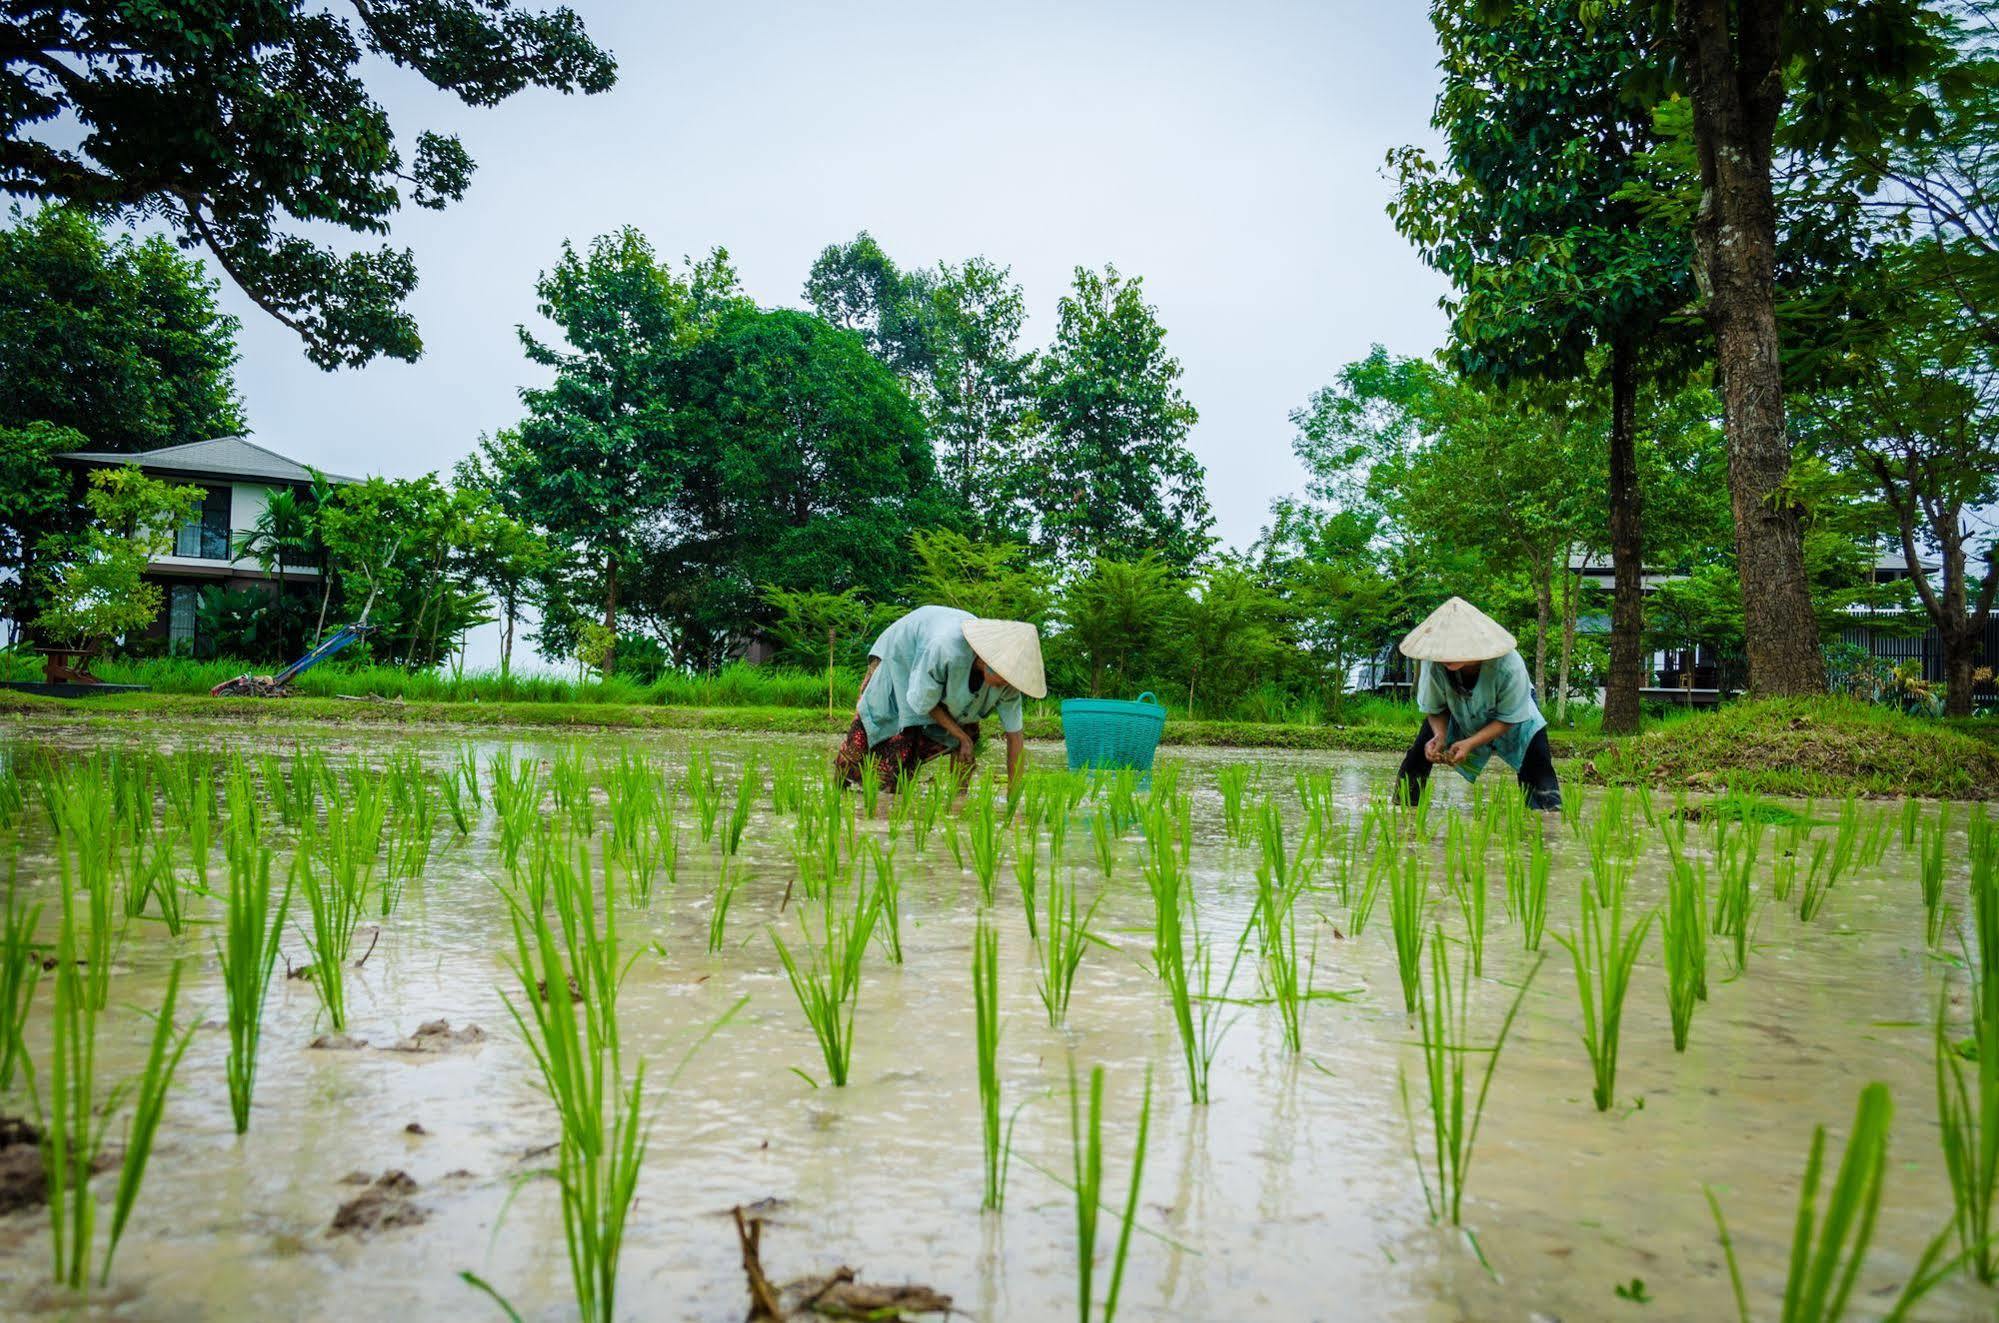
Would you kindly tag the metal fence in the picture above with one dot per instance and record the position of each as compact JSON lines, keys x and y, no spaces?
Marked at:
{"x":1891,"y":641}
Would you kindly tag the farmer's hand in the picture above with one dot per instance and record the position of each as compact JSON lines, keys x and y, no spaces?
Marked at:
{"x":1458,"y":752}
{"x":1434,"y":750}
{"x":967,"y":751}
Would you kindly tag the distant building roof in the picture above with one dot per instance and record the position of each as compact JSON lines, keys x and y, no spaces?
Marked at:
{"x":224,"y":456}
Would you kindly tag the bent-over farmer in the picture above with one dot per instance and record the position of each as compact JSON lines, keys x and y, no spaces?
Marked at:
{"x":932,"y":678}
{"x":1477,"y":701}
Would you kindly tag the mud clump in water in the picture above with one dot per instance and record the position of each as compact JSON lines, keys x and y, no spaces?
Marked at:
{"x":838,"y":1294}
{"x":337,"y":1043}
{"x":439,"y":1036}
{"x":388,"y":1202}
{"x":22,"y":1183}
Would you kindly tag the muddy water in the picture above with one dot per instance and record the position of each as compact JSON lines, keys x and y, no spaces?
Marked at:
{"x":1292,"y":1195}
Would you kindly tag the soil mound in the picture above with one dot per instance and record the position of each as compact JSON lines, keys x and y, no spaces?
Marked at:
{"x":1802,"y":747}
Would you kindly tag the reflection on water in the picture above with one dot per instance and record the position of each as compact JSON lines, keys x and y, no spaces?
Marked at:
{"x":1292,"y":1195}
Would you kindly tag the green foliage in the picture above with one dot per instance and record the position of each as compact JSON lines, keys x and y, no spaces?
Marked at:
{"x":100,"y":593}
{"x":405,"y":546}
{"x":117,"y":339}
{"x":993,"y":580}
{"x":236,"y":128}
{"x":1116,"y":619}
{"x":1111,"y":474}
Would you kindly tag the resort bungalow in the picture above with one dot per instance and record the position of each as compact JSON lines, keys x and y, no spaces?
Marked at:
{"x":237,"y":477}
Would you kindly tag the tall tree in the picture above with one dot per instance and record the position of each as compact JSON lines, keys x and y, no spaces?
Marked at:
{"x":1545,"y":110}
{"x":595,"y":461}
{"x":803,"y":467}
{"x":1919,"y":418}
{"x":979,"y":403}
{"x":1111,"y":474}
{"x":1852,"y":67}
{"x":858,"y":287}
{"x":237,"y":124}
{"x":120,"y":339}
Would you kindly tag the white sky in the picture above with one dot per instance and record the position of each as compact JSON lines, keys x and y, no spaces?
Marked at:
{"x":1230,"y":154}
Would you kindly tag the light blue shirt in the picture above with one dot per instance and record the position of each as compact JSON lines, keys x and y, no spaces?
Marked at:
{"x":1502,"y":692}
{"x":925,"y":661}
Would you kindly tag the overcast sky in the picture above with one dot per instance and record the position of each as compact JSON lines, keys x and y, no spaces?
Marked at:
{"x":1229,"y":154}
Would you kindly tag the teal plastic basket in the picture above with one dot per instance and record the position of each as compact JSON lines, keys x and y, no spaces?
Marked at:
{"x":1109,"y":732}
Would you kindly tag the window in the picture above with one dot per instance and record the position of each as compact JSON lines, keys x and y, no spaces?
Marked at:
{"x":181,"y":598}
{"x":205,"y":536}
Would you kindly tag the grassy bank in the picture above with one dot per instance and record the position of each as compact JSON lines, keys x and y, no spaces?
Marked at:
{"x":1808,"y":747}
{"x":1789,"y":747}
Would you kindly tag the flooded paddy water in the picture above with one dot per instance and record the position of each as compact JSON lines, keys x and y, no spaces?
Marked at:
{"x":1292,"y":1193}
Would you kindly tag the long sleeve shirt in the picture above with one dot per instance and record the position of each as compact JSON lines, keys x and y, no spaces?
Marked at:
{"x":923,"y":660}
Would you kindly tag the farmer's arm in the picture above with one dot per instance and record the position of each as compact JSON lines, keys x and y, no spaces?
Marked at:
{"x":1430,"y":701}
{"x":1484,"y":735}
{"x":1016,"y":742}
{"x":942,"y":716}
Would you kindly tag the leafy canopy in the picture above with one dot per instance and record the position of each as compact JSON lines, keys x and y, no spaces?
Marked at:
{"x":239,"y":125}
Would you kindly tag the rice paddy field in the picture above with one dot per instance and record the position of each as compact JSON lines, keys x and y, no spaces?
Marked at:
{"x":308,"y":1023}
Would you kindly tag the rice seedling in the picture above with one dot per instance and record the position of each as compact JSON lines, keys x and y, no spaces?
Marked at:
{"x":1408,"y":914}
{"x":1968,"y":1113}
{"x":248,"y":954}
{"x":1683,"y":929}
{"x":748,"y":788}
{"x":987,"y":842}
{"x":986,"y":1017}
{"x":147,"y":874}
{"x":1233,"y":781}
{"x":1930,"y":870}
{"x":77,"y":1118}
{"x":1735,"y":896}
{"x":1573,"y":799}
{"x":85,"y":837}
{"x":1605,"y":952}
{"x":1465,"y":874}
{"x":1534,"y":893}
{"x":1380,"y":866}
{"x":1104,"y":844}
{"x":871,"y":789}
{"x":1086,"y":1146}
{"x":517,"y":795}
{"x":1455,"y":1113}
{"x":574,"y":1040}
{"x":451,"y":789}
{"x":827,"y":982}
{"x":20,"y":968}
{"x":888,"y":901}
{"x":1026,"y":874}
{"x":411,"y":820}
{"x":191,"y":808}
{"x":1064,"y":937}
{"x":336,"y":911}
{"x":1183,"y":959}
{"x":703,"y":792}
{"x":1823,"y":1271}
{"x":1830,"y":860}
{"x":728,"y":876}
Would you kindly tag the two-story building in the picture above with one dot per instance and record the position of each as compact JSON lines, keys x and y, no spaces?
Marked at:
{"x":237,"y":477}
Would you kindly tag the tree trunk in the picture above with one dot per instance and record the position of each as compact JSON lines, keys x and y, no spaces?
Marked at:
{"x":1627,"y":548}
{"x":1568,"y":642}
{"x":1544,"y":609}
{"x":610,"y":615}
{"x":507,"y":612}
{"x":1736,"y":76}
{"x":1959,"y":656}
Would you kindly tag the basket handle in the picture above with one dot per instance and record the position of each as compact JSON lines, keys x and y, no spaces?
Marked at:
{"x":1149,"y":697}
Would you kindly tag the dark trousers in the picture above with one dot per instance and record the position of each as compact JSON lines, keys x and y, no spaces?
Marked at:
{"x":1536,"y":775}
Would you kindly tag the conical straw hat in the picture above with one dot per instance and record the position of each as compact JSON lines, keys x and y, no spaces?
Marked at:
{"x":1457,"y":631}
{"x":1011,"y":649}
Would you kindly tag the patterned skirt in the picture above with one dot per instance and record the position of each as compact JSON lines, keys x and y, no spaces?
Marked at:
{"x":898,"y":756}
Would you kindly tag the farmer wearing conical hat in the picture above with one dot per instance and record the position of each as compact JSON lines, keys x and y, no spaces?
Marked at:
{"x":932,"y":677}
{"x":1476,"y":701}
